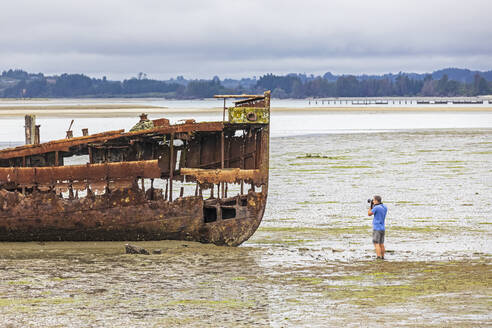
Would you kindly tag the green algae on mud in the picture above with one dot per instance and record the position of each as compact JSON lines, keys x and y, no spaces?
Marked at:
{"x":33,"y":301}
{"x":351,"y":167}
{"x":313,"y":202}
{"x":320,"y":156}
{"x":423,"y":229}
{"x":378,"y":284}
{"x":281,"y":241}
{"x":315,"y":230}
{"x":212,"y":303}
{"x":439,"y":281}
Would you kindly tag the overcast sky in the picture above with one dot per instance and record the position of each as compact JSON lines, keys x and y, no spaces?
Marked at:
{"x":236,"y":38}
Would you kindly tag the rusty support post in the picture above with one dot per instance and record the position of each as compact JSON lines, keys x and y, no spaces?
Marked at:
{"x":222,"y":150}
{"x":226,"y":188}
{"x":196,"y":189}
{"x":23,"y":161}
{"x":30,"y":123}
{"x":223,"y":111}
{"x":242,"y":187}
{"x":69,"y":131}
{"x":143,"y":185}
{"x":171,"y":167}
{"x":152,"y":189}
{"x":88,"y":190}
{"x":70,"y":192}
{"x":57,"y":158}
{"x":255,"y":155}
{"x":243,"y":149}
{"x":181,"y":192}
{"x":165,"y":194}
{"x":89,"y":149}
{"x":222,"y":141}
{"x":37,"y":137}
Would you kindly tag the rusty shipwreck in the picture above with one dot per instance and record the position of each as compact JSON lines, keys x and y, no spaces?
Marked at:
{"x":205,"y":182}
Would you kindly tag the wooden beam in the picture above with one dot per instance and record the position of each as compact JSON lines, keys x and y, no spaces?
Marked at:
{"x":239,"y":96}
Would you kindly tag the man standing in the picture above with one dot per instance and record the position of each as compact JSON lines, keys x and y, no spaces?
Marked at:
{"x":379,"y":210}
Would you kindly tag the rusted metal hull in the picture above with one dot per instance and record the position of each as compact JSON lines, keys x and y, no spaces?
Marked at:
{"x":125,"y":215}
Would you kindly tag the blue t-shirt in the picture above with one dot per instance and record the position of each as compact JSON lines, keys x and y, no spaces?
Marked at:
{"x":379,"y":212}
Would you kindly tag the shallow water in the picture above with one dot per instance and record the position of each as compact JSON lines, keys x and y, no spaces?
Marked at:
{"x":283,"y":124}
{"x":311,"y":262}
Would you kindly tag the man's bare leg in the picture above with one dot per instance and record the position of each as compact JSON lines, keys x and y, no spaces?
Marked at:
{"x":378,"y":249}
{"x":381,"y":247}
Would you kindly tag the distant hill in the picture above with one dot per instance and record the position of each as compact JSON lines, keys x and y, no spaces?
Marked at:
{"x":461,"y":75}
{"x":445,"y":82}
{"x":454,"y":74}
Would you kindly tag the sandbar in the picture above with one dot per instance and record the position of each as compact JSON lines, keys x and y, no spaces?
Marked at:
{"x":124,"y":110}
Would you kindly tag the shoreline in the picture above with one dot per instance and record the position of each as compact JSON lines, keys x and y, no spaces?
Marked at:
{"x":132,"y":110}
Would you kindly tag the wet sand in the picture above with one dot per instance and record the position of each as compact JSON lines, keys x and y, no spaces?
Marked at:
{"x":194,"y":285}
{"x":311,"y":263}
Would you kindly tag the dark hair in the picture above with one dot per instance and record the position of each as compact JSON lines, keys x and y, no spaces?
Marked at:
{"x":378,"y":198}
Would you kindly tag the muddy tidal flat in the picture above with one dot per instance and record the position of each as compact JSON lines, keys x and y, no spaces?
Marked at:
{"x":311,"y":263}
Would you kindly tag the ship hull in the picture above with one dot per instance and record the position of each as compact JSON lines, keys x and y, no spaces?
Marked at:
{"x":128,"y":215}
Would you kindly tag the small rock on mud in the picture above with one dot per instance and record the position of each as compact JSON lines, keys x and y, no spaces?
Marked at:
{"x":132,"y":249}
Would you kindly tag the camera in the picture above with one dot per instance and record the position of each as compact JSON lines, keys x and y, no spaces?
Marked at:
{"x":370,"y":201}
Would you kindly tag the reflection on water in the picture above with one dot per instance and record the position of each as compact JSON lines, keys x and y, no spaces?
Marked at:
{"x":311,"y":263}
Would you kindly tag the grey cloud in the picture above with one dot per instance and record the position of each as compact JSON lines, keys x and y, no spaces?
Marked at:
{"x":201,"y":38}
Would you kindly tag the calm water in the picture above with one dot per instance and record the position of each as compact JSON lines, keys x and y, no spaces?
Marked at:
{"x":311,"y":263}
{"x":276,"y":103}
{"x":283,"y":123}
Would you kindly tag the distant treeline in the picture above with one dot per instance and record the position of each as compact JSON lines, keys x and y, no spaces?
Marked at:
{"x":21,"y":84}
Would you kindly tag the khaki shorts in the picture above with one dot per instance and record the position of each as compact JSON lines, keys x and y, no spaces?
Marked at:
{"x":378,"y":236}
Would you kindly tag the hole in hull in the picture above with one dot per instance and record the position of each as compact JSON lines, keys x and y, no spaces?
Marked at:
{"x":209,"y":214}
{"x":228,"y":213}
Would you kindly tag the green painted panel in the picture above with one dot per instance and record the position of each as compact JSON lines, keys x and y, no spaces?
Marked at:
{"x":249,"y":115}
